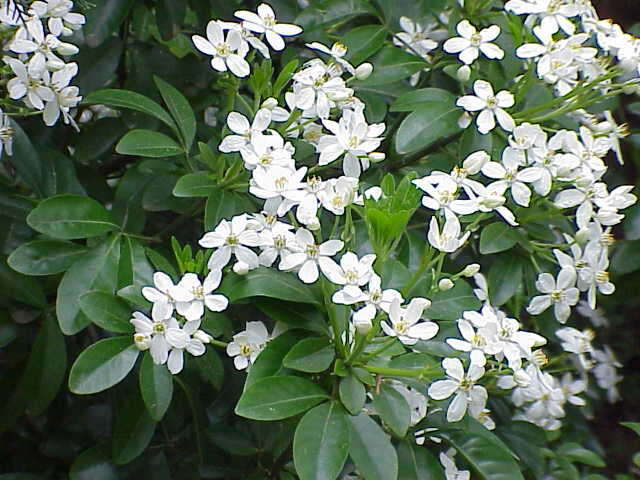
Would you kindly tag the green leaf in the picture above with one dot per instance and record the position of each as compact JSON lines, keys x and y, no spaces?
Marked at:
{"x":296,"y":315}
{"x":147,"y":143}
{"x":505,"y":278}
{"x":417,"y":463}
{"x":94,"y":464}
{"x":486,"y":458}
{"x":526,"y":440}
{"x":473,"y":141}
{"x":576,"y":453}
{"x":131,"y":100}
{"x":102,"y":365}
{"x":45,"y":257}
{"x":132,"y":428}
{"x":225,"y":204}
{"x":46,"y":367}
{"x":107,"y":311}
{"x":180,"y":110}
{"x":20,"y":287}
{"x":27,"y":161}
{"x":70,"y":217}
{"x":635,"y":426}
{"x":497,"y":237}
{"x":428,"y":124}
{"x":275,"y":398}
{"x":371,"y":449}
{"x":311,"y":355}
{"x":364,"y":41}
{"x":156,"y":387}
{"x":390,"y":65}
{"x":264,"y":282}
{"x":450,"y":304}
{"x":96,"y":270}
{"x":103,"y":19}
{"x":321,"y":443}
{"x":198,"y":184}
{"x":269,"y":362}
{"x":211,"y":368}
{"x":407,"y":102}
{"x":352,"y":394}
{"x":393,"y":409}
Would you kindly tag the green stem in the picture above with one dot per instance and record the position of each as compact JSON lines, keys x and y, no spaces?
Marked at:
{"x":401,"y":372}
{"x":425,"y":263}
{"x":387,"y":344}
{"x":218,"y":343}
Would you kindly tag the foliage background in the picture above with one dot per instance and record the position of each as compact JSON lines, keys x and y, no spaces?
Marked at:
{"x":47,"y":439}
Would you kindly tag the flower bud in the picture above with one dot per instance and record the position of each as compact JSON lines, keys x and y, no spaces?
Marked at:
{"x":464,"y":73}
{"x":203,"y":336}
{"x":522,"y":378}
{"x":465,"y":120}
{"x":55,"y":64}
{"x":474,"y":162}
{"x":376,"y":157}
{"x":241,"y":268}
{"x":363,"y":71}
{"x":339,"y":49}
{"x":470,"y":270}
{"x":142,"y":341}
{"x":445,"y":284}
{"x":582,"y":236}
{"x":362,"y":321}
{"x":67,"y":49}
{"x":312,"y":224}
{"x":270,"y":103}
{"x":373,"y":193}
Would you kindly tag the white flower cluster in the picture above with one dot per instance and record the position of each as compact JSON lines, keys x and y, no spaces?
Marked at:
{"x":42,"y":76}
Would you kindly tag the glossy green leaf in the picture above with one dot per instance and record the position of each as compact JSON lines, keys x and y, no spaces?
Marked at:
{"x":264,"y":282}
{"x":180,"y":110}
{"x":505,"y":278}
{"x":27,"y":161}
{"x":156,"y":387}
{"x":102,"y":365}
{"x":21,"y":287}
{"x":225,"y":204}
{"x":107,"y":311}
{"x":410,"y":100}
{"x":393,"y":409}
{"x":94,"y":464}
{"x":497,"y":237}
{"x":417,"y":463}
{"x":198,"y":184}
{"x":131,"y":100}
{"x":96,"y":270}
{"x":352,"y":394}
{"x":311,"y":355}
{"x":486,"y":458}
{"x":147,"y":143}
{"x":390,"y":65}
{"x":47,"y":366}
{"x":371,"y":449}
{"x":269,"y":362}
{"x":428,"y":124}
{"x":450,"y":304}
{"x":364,"y":41}
{"x":576,"y":453}
{"x":321,"y":443}
{"x":104,"y":19}
{"x":211,"y":368}
{"x":45,"y":257}
{"x":275,"y":398}
{"x":133,"y":428}
{"x":70,"y":217}
{"x":473,"y":141}
{"x":635,"y":426}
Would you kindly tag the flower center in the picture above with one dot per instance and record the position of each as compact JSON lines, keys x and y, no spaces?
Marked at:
{"x":281,"y":183}
{"x":492,"y":103}
{"x":401,"y":327}
{"x":6,"y":133}
{"x":375,"y":296}
{"x":232,"y":240}
{"x":269,"y":21}
{"x":223,"y":49}
{"x":158,"y":327}
{"x":475,"y":40}
{"x":478,"y":340}
{"x":279,"y":242}
{"x":557,"y":295}
{"x":353,"y":142}
{"x":607,"y":239}
{"x":270,"y":220}
{"x":602,"y":277}
{"x":351,"y":276}
{"x":245,"y":350}
{"x":466,"y":383}
{"x":312,"y":250}
{"x":198,"y":292}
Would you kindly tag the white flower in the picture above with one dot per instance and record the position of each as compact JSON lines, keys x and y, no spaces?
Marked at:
{"x":508,"y":175}
{"x":278,"y":183}
{"x":451,"y":471}
{"x":575,"y":341}
{"x":554,"y":13}
{"x":314,"y":87}
{"x":449,"y":239}
{"x":62,"y":21}
{"x":181,"y":339}
{"x":310,"y":256}
{"x":374,"y":298}
{"x":245,"y":133}
{"x":200,"y":294}
{"x":606,"y":372}
{"x":338,"y":193}
{"x":406,"y":324}
{"x":442,"y":193}
{"x":151,"y":334}
{"x":471,"y":42}
{"x":37,"y":91}
{"x":228,"y":54}
{"x":265,"y":22}
{"x":416,"y":37}
{"x":274,"y":243}
{"x":164,"y":295}
{"x":352,"y":273}
{"x":247,"y":345}
{"x":491,"y":107}
{"x":231,"y":238}
{"x":561,"y":294}
{"x":416,"y":400}
{"x":467,"y":392}
{"x":353,"y":137}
